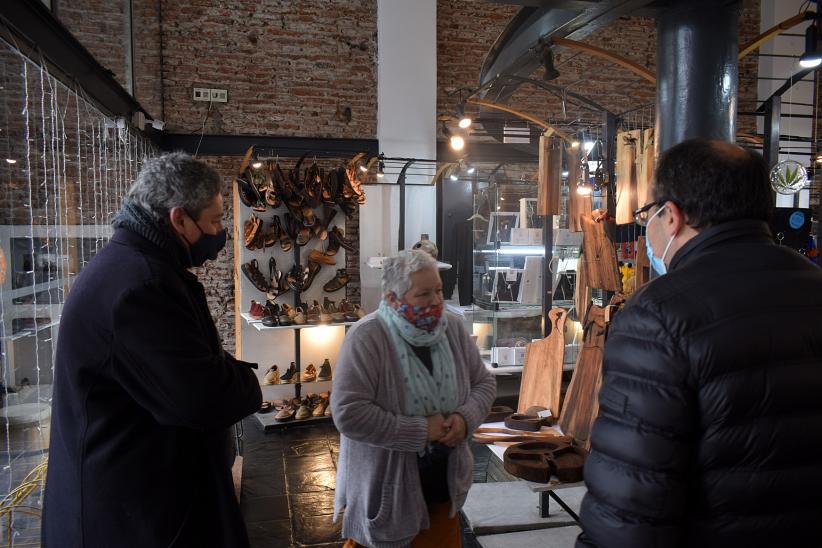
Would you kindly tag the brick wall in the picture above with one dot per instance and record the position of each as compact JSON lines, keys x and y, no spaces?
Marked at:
{"x":467,"y":28}
{"x":291,"y":68}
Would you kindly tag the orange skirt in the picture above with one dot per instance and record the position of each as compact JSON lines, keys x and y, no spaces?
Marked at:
{"x":443,"y":533}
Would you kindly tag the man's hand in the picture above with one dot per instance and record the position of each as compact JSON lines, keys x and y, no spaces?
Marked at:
{"x":436,"y":430}
{"x":454,"y":426}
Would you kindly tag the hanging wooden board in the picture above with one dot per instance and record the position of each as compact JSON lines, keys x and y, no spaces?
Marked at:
{"x":542,"y":372}
{"x":599,"y":254}
{"x":581,"y":405}
{"x":577,"y":204}
{"x":643,"y":265}
{"x":582,"y":297}
{"x":550,"y":176}
{"x":628,"y":142}
{"x":645,"y":163}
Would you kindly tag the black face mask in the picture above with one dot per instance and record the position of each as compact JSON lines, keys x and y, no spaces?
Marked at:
{"x":207,"y":246}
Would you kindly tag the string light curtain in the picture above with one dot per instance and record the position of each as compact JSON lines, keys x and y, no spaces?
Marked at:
{"x":64,"y":167}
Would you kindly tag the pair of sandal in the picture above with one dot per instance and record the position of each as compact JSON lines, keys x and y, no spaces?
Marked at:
{"x":337,"y":282}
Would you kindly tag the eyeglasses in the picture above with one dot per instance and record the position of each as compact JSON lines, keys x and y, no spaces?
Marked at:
{"x":643,"y":214}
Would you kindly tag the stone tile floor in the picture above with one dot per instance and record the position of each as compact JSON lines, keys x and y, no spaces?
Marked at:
{"x":288,"y":486}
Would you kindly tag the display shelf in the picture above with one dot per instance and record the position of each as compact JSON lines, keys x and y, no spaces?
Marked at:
{"x":268,"y":423}
{"x":293,"y":383}
{"x":507,"y":310}
{"x":29,"y":332}
{"x":249,"y":318}
{"x":260,"y":327}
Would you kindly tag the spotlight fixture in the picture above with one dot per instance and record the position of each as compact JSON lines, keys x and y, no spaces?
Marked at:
{"x":362,"y":167}
{"x":551,"y":73}
{"x":574,"y":144}
{"x":381,"y":169}
{"x":588,"y":146}
{"x":454,"y":177}
{"x":470,"y":170}
{"x":812,"y":57}
{"x":464,"y":121}
{"x":564,"y":173}
{"x":11,"y":161}
{"x":457,"y":142}
{"x":257,"y":165}
{"x":819,"y":158}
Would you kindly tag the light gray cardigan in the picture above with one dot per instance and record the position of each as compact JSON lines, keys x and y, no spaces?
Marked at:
{"x":378,"y":482}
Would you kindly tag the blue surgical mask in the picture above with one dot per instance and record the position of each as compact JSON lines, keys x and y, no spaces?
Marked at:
{"x":657,"y":264}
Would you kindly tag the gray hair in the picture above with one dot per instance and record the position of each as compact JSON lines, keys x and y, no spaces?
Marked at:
{"x":174,"y":180}
{"x":397,"y":270}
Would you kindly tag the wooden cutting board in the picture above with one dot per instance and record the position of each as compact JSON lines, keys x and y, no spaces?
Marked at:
{"x":628,"y":143}
{"x":581,"y":400}
{"x":645,"y":163}
{"x":599,"y":254}
{"x":542,"y":372}
{"x":582,"y":298}
{"x":550,"y":176}
{"x":581,"y":405}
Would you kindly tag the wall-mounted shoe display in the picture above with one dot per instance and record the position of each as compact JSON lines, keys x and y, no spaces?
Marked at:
{"x":337,"y":282}
{"x":325,"y":371}
{"x":272,"y":376}
{"x":310,"y":373}
{"x":289,"y":376}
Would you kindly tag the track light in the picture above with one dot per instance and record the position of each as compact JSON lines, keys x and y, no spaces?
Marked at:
{"x":454,"y":177}
{"x":457,"y":142}
{"x":11,"y":161}
{"x":381,"y":169}
{"x":812,"y":57}
{"x":464,"y":121}
{"x":470,"y":170}
{"x":588,"y":146}
{"x":574,"y":144}
{"x":565,"y":174}
{"x":362,"y":167}
{"x":551,"y":73}
{"x":257,"y":165}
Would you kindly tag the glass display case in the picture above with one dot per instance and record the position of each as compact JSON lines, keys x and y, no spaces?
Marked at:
{"x":509,"y":295}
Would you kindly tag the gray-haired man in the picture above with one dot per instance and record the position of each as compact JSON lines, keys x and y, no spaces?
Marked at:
{"x":143,"y":392}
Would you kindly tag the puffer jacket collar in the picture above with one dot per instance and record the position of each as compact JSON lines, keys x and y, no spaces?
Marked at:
{"x":732,"y":232}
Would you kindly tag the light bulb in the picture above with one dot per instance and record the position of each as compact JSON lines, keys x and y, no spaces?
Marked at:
{"x":574,"y":144}
{"x":465,"y":122}
{"x":257,"y":165}
{"x":588,"y":146}
{"x":381,"y":169}
{"x":11,"y":160}
{"x":810,"y":61}
{"x":471,"y":170}
{"x":564,"y":173}
{"x":454,"y":177}
{"x":457,"y":142}
{"x":363,"y":168}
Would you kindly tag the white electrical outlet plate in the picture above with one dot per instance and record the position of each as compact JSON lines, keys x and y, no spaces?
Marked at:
{"x":202,"y":94}
{"x":219,"y":95}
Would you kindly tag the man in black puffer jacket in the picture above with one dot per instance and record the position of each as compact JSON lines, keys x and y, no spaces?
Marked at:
{"x":710,"y":425}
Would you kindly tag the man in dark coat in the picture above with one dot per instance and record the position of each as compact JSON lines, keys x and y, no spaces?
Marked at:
{"x":710,"y":425}
{"x":144,"y":395}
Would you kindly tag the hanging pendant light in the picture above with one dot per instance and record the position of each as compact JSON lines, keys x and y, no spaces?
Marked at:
{"x":812,"y":57}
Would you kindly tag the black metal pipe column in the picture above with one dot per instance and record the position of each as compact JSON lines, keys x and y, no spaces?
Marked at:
{"x":697,"y":71}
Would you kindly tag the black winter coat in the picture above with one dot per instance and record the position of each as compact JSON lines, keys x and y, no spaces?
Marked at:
{"x":710,"y":425}
{"x":143,"y":400}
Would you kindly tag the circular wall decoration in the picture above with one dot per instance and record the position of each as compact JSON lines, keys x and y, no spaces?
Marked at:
{"x":789,"y":177}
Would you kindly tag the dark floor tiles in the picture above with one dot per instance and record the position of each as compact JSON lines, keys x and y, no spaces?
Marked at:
{"x":309,"y":530}
{"x":312,"y":503}
{"x":270,"y":534}
{"x":311,"y":482}
{"x":307,"y":448}
{"x":321,"y":462}
{"x":263,"y":486}
{"x":265,"y":508}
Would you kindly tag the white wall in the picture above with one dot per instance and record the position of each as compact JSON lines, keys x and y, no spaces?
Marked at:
{"x":772,"y":13}
{"x":406,"y":127}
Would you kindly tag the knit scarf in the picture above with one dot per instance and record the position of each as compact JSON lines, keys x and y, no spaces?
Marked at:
{"x":425,"y":393}
{"x":136,"y":219}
